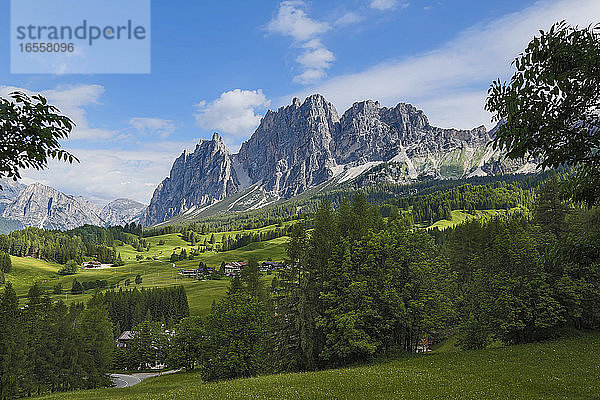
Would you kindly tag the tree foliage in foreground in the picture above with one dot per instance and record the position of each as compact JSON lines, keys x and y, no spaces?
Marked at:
{"x":30,"y":130}
{"x":550,"y":108}
{"x":49,"y":347}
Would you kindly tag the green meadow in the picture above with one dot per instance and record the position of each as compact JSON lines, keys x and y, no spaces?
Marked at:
{"x":174,"y":242}
{"x":561,"y":369}
{"x":155,"y":269}
{"x":462,"y":216}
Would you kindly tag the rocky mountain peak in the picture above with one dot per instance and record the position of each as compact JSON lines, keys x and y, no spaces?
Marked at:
{"x":45,"y":207}
{"x":121,"y":212}
{"x":306,"y":143}
{"x":197,"y":179}
{"x":9,"y":192}
{"x":290,"y":149}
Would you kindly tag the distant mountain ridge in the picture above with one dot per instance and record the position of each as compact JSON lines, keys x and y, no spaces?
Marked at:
{"x":121,"y":212}
{"x":9,"y":192}
{"x":306,"y":144}
{"x":45,"y":207}
{"x":42,"y":206}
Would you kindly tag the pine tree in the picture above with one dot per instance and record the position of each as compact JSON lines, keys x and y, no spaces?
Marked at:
{"x":76,"y":288}
{"x":5,"y":263}
{"x":236,"y":286}
{"x":251,"y":277}
{"x":12,"y":337}
{"x":550,"y":212}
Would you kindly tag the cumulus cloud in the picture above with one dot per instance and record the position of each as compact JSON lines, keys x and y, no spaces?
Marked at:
{"x":72,"y":101}
{"x":292,"y":20}
{"x":450,"y":82}
{"x":233,"y":112}
{"x":315,"y":59}
{"x":153,"y":126}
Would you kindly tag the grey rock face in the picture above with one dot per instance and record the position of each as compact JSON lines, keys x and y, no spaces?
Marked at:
{"x":290,"y":150}
{"x":121,"y":212}
{"x":45,"y":207}
{"x":9,"y":192}
{"x":306,"y":143}
{"x":197,"y":179}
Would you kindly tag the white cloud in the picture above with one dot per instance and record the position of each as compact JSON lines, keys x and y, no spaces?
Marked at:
{"x":292,"y":20}
{"x":309,"y":76}
{"x":450,"y":83}
{"x":316,"y":58}
{"x":153,"y":126}
{"x":72,"y":101}
{"x":350,"y":18}
{"x":234,"y":112}
{"x":383,"y":5}
{"x":103,"y":175}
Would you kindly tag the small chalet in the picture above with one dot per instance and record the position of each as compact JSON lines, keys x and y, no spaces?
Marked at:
{"x":234,"y":268}
{"x":270,"y":266}
{"x":124,"y":339}
{"x":91,"y":264}
{"x":189,"y":273}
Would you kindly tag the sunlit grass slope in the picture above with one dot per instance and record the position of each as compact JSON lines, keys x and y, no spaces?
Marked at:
{"x":155,"y":273}
{"x":562,"y":369}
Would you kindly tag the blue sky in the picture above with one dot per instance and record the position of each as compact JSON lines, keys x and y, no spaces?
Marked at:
{"x":218,"y":66}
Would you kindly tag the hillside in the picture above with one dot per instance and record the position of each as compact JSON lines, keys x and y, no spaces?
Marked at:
{"x":566,"y":368}
{"x":156,"y":271}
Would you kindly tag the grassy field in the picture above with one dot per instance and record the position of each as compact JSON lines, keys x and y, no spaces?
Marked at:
{"x":562,"y":369}
{"x":155,"y":272}
{"x":174,"y":242}
{"x":461,"y":216}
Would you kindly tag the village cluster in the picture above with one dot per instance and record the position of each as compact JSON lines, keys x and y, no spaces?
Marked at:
{"x":230,"y":269}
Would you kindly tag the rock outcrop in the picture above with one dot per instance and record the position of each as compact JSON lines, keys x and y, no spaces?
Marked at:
{"x":121,"y":212}
{"x":305,"y":144}
{"x":197,"y":179}
{"x":45,"y":207}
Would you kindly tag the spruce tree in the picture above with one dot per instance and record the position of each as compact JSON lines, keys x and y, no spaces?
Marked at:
{"x":77,"y":288}
{"x":12,"y":345}
{"x":550,"y":212}
{"x":5,"y":263}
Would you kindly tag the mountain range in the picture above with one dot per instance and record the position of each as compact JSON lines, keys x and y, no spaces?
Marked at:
{"x":306,"y":144}
{"x":45,"y":207}
{"x":301,"y":146}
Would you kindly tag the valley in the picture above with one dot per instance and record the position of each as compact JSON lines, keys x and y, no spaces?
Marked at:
{"x":154,"y":267}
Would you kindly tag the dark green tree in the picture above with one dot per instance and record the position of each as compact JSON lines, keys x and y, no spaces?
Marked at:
{"x":250,"y":276}
{"x":12,"y":344}
{"x":550,"y":212}
{"x":95,"y":337}
{"x":185,"y":349}
{"x":76,"y":288}
{"x":69,"y":268}
{"x":5,"y":262}
{"x":235,"y":344}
